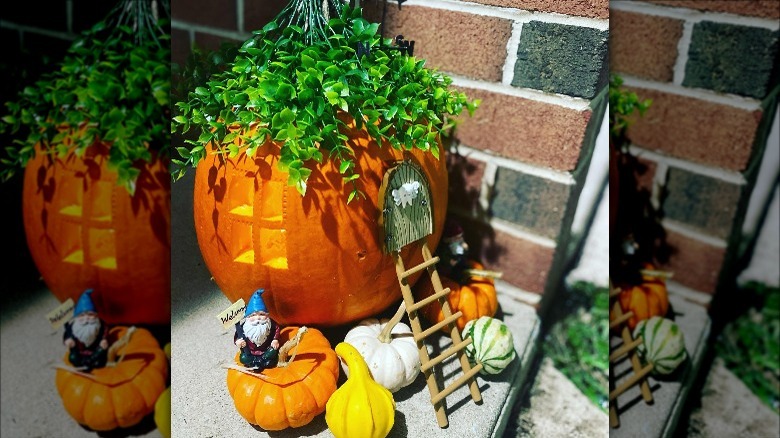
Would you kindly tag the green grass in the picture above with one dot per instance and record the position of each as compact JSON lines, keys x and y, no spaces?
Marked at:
{"x":750,"y":345}
{"x":578,"y":344}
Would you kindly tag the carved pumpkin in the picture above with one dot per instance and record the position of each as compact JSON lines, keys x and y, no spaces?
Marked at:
{"x":120,"y":395}
{"x":86,"y":232}
{"x":289,"y":395}
{"x":476,"y":298}
{"x":319,"y":259}
{"x":645,"y":300}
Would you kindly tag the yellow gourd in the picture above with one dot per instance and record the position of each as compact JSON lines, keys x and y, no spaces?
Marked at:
{"x":361,"y":408}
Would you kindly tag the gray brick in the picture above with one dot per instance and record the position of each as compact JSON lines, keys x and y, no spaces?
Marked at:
{"x":561,"y":58}
{"x":704,"y":203}
{"x":536,"y":204}
{"x":731,"y":58}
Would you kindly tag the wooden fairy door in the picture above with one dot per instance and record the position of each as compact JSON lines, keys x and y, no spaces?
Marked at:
{"x":405,"y":197}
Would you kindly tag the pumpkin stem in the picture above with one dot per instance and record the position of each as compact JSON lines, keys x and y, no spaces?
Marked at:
{"x":384,"y":335}
{"x":290,"y":344}
{"x":121,"y":342}
{"x":354,"y":361}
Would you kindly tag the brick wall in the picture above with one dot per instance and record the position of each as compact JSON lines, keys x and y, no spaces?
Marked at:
{"x":518,"y":166}
{"x":711,"y":70}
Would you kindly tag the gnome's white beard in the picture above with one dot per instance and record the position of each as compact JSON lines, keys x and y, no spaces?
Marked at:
{"x":257,"y":331}
{"x":86,"y":331}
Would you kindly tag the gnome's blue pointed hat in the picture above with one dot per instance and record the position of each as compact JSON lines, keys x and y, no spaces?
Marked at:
{"x":256,"y":303}
{"x":84,"y":304}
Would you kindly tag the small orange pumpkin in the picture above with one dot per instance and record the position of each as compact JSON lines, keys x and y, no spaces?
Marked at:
{"x":120,"y":395}
{"x":319,"y":259}
{"x":476,"y":298}
{"x":645,"y":300}
{"x":288,"y":395}
{"x":86,"y":232}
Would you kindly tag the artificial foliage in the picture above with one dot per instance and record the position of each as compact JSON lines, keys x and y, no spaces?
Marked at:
{"x":293,"y":80}
{"x":113,"y":86}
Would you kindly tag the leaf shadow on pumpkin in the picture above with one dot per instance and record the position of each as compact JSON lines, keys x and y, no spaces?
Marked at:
{"x":150,"y":190}
{"x":46,"y":187}
{"x":218,"y":190}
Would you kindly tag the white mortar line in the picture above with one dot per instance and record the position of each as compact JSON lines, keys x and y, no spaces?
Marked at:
{"x":692,"y":15}
{"x":683,"y":45}
{"x":513,"y":14}
{"x":222,"y":33}
{"x":240,"y":15}
{"x":508,"y":289}
{"x":487,"y":184}
{"x":687,"y":293}
{"x":517,"y":232}
{"x":728,"y":176}
{"x":574,"y":103}
{"x":541,"y":172}
{"x":690,"y":233}
{"x":659,"y":182}
{"x":38,"y":30}
{"x":511,"y":53}
{"x":741,"y":102}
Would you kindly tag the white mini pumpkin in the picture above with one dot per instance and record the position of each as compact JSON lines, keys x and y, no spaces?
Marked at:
{"x":393,"y":364}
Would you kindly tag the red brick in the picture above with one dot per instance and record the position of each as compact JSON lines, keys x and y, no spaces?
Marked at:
{"x":524,"y":264}
{"x":754,"y":8}
{"x":582,"y":8}
{"x":220,"y":14}
{"x":697,"y":130}
{"x":695,"y":264}
{"x":455,"y":42}
{"x":258,"y":13}
{"x":465,"y":182}
{"x":644,"y":45}
{"x":206,"y":41}
{"x":534,"y":132}
{"x":180,"y":46}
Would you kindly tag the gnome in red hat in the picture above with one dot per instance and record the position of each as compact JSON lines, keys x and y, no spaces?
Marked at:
{"x":86,"y":335}
{"x":258,"y":335}
{"x":453,"y":250}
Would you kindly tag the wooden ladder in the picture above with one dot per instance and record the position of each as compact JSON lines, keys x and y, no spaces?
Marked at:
{"x":458,"y":344}
{"x":628,"y":347}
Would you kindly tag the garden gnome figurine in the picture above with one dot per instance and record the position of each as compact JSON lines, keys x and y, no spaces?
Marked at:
{"x":258,"y":335}
{"x":455,"y":250}
{"x":86,"y":335}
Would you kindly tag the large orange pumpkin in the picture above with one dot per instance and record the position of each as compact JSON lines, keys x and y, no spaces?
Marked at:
{"x":646,"y":300}
{"x":319,"y":259}
{"x":475,"y":298}
{"x":289,"y":395}
{"x":86,"y":232}
{"x":121,"y":395}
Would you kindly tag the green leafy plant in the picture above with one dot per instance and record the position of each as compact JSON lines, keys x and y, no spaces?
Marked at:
{"x":578,"y":344}
{"x":113,"y":86}
{"x":750,"y":345}
{"x":293,"y":81}
{"x":622,"y":106}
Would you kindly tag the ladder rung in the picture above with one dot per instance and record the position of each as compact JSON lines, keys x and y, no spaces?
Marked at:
{"x":445,"y":354}
{"x":427,"y":300}
{"x":620,"y":320}
{"x":411,"y":271}
{"x":456,"y":384}
{"x":433,"y":329}
{"x":624,"y":349}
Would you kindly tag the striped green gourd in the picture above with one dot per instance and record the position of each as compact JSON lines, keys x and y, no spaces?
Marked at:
{"x":663,"y":344}
{"x":492,"y":344}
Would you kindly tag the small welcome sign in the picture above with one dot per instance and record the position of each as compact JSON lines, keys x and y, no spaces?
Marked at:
{"x":62,"y":314}
{"x":230,"y":316}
